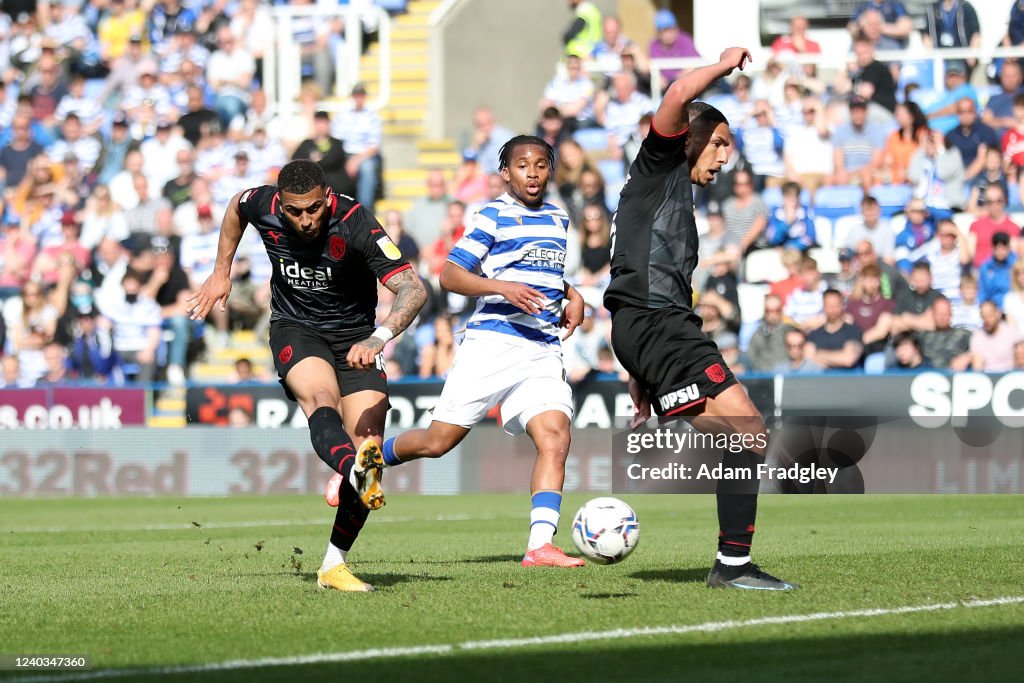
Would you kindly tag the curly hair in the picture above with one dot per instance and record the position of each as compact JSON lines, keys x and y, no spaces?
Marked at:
{"x":300,"y":176}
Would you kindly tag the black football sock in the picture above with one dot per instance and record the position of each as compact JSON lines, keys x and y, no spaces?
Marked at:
{"x":330,"y":441}
{"x":348,"y":520}
{"x":737,"y":506}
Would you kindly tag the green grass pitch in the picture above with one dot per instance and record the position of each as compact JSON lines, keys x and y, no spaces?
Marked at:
{"x":141,"y":583}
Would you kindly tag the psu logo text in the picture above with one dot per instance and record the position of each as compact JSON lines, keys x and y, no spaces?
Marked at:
{"x":679,"y":397}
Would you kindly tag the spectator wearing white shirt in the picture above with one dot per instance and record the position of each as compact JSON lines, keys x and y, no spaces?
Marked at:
{"x":620,"y":111}
{"x":870,"y":226}
{"x":238,"y":179}
{"x":102,"y":219}
{"x":122,"y":185}
{"x":137,"y":322}
{"x":572,"y":94}
{"x":87,"y":109}
{"x":86,"y":149}
{"x":198,"y":257}
{"x":266,"y":155}
{"x":359,"y":129}
{"x":142,"y":217}
{"x":147,"y":103}
{"x":807,"y":152}
{"x":805,"y":305}
{"x":160,"y":154}
{"x":949,"y":256}
{"x":229,"y":73}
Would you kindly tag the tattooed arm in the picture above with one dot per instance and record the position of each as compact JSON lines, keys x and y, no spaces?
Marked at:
{"x":410,"y":295}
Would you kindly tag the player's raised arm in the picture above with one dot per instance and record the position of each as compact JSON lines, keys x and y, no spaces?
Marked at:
{"x":218,"y":285}
{"x":671,"y":118}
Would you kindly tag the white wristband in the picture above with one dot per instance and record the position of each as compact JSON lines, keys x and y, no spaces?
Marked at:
{"x":384,"y":334}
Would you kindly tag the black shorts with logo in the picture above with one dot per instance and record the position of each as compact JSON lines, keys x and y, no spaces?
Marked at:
{"x":665,"y":350}
{"x":290,"y":342}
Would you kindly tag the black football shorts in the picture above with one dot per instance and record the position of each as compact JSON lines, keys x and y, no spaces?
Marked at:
{"x":290,"y":342}
{"x":665,"y":350}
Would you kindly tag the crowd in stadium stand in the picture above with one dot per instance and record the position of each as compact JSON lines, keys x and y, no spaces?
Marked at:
{"x":866,"y":222}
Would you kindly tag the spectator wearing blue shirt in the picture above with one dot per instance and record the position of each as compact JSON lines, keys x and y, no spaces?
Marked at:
{"x":972,"y":138}
{"x":995,"y":274}
{"x":1015,"y":29}
{"x":953,"y":24}
{"x":858,"y":147}
{"x":999,"y":108}
{"x":791,"y":225}
{"x":919,"y":228}
{"x":942,"y":113}
{"x":896,"y":29}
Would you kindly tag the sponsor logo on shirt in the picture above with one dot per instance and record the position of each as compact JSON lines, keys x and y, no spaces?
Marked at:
{"x":305,"y":277}
{"x":389,"y":248}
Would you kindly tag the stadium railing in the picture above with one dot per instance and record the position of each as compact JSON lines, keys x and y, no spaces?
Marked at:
{"x":284,"y":61}
{"x":933,"y":58}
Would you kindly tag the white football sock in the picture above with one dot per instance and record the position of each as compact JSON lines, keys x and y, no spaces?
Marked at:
{"x":543,"y":522}
{"x":333,"y":557}
{"x":733,"y":561}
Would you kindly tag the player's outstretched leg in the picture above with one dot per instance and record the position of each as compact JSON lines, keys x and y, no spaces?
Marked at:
{"x":433,"y":442}
{"x":732,"y":412}
{"x":550,"y":433}
{"x":334,"y":572}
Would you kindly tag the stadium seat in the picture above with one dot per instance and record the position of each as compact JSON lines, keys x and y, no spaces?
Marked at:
{"x":918,"y":72}
{"x":392,"y":5}
{"x":1013,"y":202}
{"x":823,"y":231}
{"x":592,"y":139}
{"x":751,"y":298}
{"x":925,"y":97}
{"x":772,"y":196}
{"x":828,"y":259}
{"x":892,"y":198}
{"x":837,"y":201}
{"x":764,"y":265}
{"x":612,"y":171}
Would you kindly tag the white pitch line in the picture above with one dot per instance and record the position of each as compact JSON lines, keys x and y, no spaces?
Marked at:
{"x":511,"y":643}
{"x":248,"y":524}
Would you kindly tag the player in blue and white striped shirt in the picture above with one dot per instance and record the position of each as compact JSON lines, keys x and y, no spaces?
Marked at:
{"x":511,"y":354}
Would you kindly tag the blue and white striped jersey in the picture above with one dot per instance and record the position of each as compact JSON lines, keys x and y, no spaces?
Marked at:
{"x":512,"y":242}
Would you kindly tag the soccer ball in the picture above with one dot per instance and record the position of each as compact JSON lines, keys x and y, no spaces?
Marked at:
{"x":605,"y":530}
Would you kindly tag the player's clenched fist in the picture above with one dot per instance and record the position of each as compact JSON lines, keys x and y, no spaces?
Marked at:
{"x":362,"y":356}
{"x":735,"y":57}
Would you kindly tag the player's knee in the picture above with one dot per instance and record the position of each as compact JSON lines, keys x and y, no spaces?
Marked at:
{"x":324,"y":398}
{"x":554,"y":448}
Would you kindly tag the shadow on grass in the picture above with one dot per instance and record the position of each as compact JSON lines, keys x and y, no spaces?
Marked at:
{"x":606,"y":596}
{"x":672,"y":575}
{"x":382,"y":580}
{"x":484,"y":559}
{"x":967,"y":654}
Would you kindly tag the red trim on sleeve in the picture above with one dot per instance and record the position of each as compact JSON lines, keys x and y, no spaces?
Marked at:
{"x":399,"y":269}
{"x":669,"y":137}
{"x":350,"y":211}
{"x":273,"y":202}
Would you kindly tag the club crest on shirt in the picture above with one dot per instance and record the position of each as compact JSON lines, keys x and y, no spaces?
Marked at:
{"x":389,"y":248}
{"x":336,"y":248}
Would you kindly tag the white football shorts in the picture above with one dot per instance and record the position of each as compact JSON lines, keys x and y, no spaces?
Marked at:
{"x":490,"y":368}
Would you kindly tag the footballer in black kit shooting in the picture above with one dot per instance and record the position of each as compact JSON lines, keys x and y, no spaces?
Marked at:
{"x":656,"y":334}
{"x":328,"y":253}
